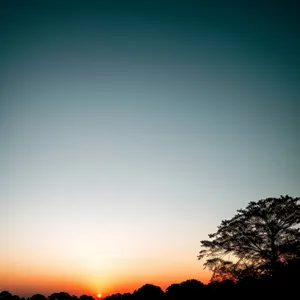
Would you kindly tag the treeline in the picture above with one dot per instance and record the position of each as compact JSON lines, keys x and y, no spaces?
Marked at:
{"x":285,"y":284}
{"x":5,"y":295}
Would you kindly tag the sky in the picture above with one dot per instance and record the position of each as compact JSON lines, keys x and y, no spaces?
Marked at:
{"x":129,"y":130}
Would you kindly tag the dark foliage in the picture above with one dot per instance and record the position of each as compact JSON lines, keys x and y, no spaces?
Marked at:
{"x":286,"y":284}
{"x":261,"y":238}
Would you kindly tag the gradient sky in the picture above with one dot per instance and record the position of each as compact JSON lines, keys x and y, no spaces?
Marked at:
{"x":129,"y":131}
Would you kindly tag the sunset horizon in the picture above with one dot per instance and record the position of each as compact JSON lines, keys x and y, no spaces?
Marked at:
{"x":78,"y":290}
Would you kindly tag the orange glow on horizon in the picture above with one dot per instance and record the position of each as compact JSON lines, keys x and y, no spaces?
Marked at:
{"x":46,"y":286}
{"x":48,"y":279}
{"x":131,"y":283}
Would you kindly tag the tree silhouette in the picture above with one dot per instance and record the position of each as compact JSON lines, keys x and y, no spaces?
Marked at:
{"x":117,"y":296}
{"x":5,"y":295}
{"x":85,"y":297}
{"x":149,"y":292}
{"x":259,"y":238}
{"x":173,"y":292}
{"x":38,"y":297}
{"x":60,"y":296}
{"x":126,"y":296}
{"x":188,"y":289}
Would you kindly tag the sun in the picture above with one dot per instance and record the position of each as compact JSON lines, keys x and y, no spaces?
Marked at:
{"x":99,"y":296}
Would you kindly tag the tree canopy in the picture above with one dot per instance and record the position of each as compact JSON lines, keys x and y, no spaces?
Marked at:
{"x":258,"y":239}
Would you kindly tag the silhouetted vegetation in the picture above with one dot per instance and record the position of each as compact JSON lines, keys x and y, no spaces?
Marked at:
{"x":288,"y":282}
{"x":259,"y":239}
{"x":264,"y":239}
{"x":38,"y":297}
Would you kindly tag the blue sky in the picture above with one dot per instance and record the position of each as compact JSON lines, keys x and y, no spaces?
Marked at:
{"x":133,"y":131}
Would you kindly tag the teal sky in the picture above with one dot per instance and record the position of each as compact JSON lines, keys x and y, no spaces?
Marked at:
{"x":134,"y":129}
